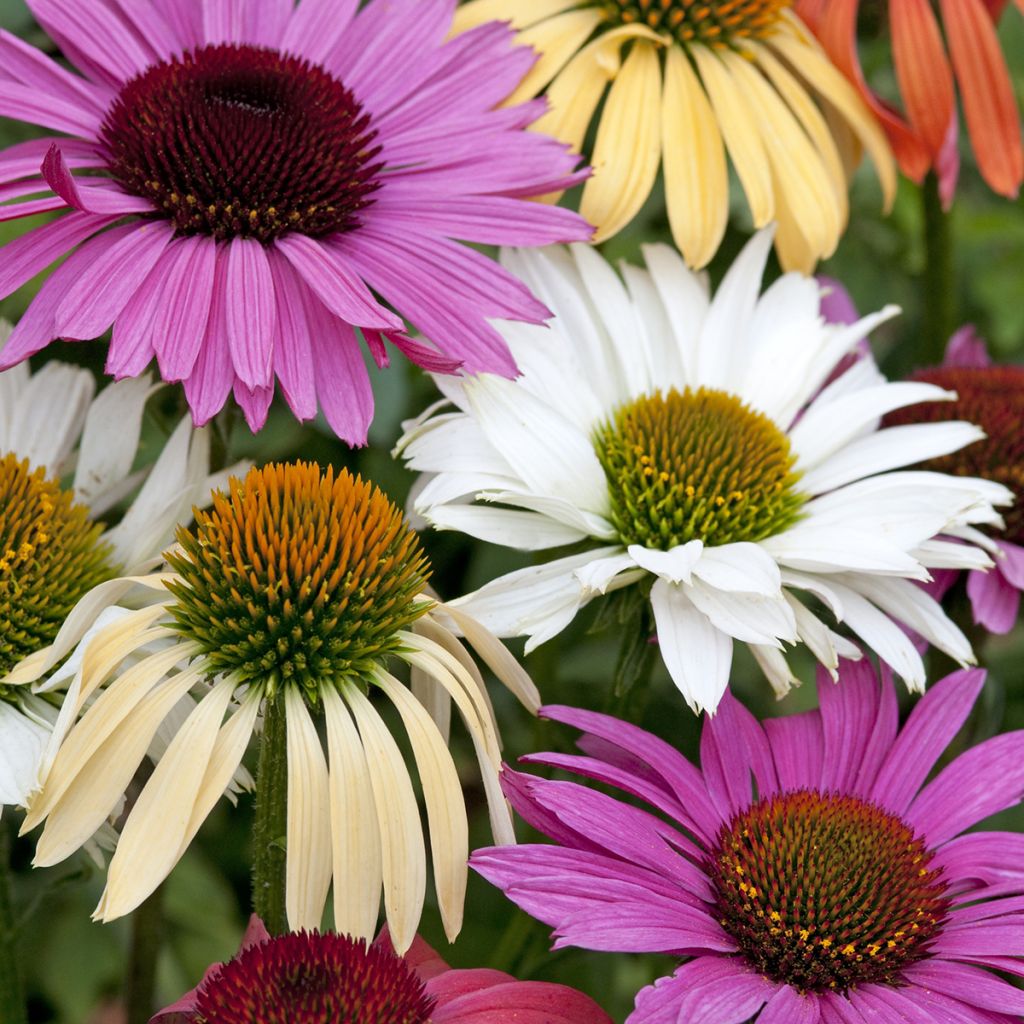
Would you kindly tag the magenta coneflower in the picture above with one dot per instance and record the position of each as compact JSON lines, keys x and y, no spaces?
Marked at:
{"x":261,"y":179}
{"x":313,"y":978}
{"x":807,"y":872}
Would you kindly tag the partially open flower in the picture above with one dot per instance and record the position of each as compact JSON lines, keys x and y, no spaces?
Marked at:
{"x":313,"y":978}
{"x":66,"y":459}
{"x":292,"y":593}
{"x":993,"y":397}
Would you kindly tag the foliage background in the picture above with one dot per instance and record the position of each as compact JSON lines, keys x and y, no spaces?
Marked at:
{"x":74,"y":967}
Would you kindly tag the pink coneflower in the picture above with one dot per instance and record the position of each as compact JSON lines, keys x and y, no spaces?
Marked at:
{"x":993,"y":397}
{"x":313,"y":978}
{"x":263,"y":182}
{"x":807,"y":872}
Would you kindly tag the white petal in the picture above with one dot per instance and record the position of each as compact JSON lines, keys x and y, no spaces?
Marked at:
{"x":404,"y":858}
{"x":741,"y":567}
{"x":812,"y":548}
{"x":776,"y":669}
{"x":597,"y":577}
{"x":526,"y":531}
{"x":22,"y":742}
{"x":697,"y":655}
{"x":355,"y":830}
{"x":547,"y":452}
{"x":446,"y":809}
{"x":453,"y":443}
{"x":674,"y":565}
{"x":559,"y":509}
{"x":944,"y":554}
{"x":748,"y":617}
{"x":309,"y":862}
{"x":151,"y":841}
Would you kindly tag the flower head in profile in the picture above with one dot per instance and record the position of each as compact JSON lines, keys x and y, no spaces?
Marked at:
{"x":807,"y":871}
{"x":707,"y":453}
{"x":66,"y":460}
{"x":938,"y":56}
{"x":694,"y":87}
{"x":993,"y":397}
{"x":291,"y":596}
{"x":314,"y":978}
{"x":263,"y":184}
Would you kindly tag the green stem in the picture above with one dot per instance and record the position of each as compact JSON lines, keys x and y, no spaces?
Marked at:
{"x":12,"y":992}
{"x":140,"y":979}
{"x":271,"y":821}
{"x":939,"y":320}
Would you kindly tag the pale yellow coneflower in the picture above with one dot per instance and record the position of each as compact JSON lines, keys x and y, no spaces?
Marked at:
{"x":692,"y":80}
{"x":284,"y":605}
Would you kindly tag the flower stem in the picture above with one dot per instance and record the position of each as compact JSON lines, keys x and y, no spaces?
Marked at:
{"x":939,"y":320}
{"x":271,"y":822}
{"x":140,"y":979}
{"x":12,"y":993}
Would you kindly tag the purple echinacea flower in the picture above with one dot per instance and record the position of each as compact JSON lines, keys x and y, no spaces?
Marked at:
{"x":807,"y":872}
{"x":244,"y":183}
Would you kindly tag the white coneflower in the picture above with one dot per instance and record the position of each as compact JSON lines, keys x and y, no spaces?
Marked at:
{"x":697,"y":448}
{"x":66,"y":459}
{"x":286,"y":602}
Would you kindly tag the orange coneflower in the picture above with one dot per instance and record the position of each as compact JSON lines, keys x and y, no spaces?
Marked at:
{"x":934,"y":54}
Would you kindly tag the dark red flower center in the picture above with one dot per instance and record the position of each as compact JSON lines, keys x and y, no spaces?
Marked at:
{"x":826,"y":892}
{"x":992,"y":397}
{"x":241,"y":141}
{"x":309,"y":978}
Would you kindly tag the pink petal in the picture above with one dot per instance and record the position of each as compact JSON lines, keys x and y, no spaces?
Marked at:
{"x":967,"y":348}
{"x":185,"y":18}
{"x":423,"y":356}
{"x":797,"y":746}
{"x":933,"y":723}
{"x":28,"y":103}
{"x":525,"y":1002}
{"x":995,"y":601}
{"x":991,"y":858}
{"x":789,"y":1007}
{"x":420,"y":956}
{"x":23,"y":160}
{"x":849,"y":710}
{"x":209,"y":384}
{"x":330,"y":275}
{"x":97,"y":198}
{"x":180,"y":318}
{"x":160,"y":37}
{"x":99,"y":295}
{"x":316,"y":26}
{"x":837,"y":305}
{"x":224,"y":21}
{"x":1011,"y":563}
{"x":254,"y":403}
{"x":293,"y":352}
{"x":268,"y":21}
{"x":251,"y":312}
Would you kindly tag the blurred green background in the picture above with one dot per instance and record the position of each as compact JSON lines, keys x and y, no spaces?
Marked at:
{"x":74,"y":968}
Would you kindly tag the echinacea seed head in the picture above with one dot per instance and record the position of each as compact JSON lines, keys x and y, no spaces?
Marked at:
{"x":711,"y":22}
{"x":309,"y":978}
{"x":696,"y":465}
{"x":297,"y":576}
{"x":825,"y":892}
{"x":236,"y":141}
{"x":51,"y":555}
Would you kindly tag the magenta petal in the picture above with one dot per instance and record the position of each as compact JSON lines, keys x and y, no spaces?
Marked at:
{"x":837,"y":306}
{"x":932,"y":724}
{"x":995,"y":601}
{"x":849,"y":709}
{"x":293,"y":351}
{"x":331,"y":277}
{"x":986,"y":779}
{"x":787,"y":1006}
{"x":708,"y":990}
{"x":180,"y":318}
{"x":224,"y":21}
{"x":967,"y":348}
{"x":208,"y":386}
{"x":316,"y":26}
{"x":103,"y":290}
{"x":423,"y":356}
{"x":250,"y":312}
{"x":733,"y":748}
{"x":28,"y":103}
{"x":964,"y":982}
{"x":880,"y":1002}
{"x":990,"y":858}
{"x":254,"y":403}
{"x":185,"y":19}
{"x":99,"y":198}
{"x":30,"y":253}
{"x":525,"y":1002}
{"x":797,"y":747}
{"x":1011,"y":563}
{"x":985,"y":938}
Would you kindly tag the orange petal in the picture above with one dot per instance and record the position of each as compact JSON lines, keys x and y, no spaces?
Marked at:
{"x":836,"y":29}
{"x":923,"y":72}
{"x":987,"y":93}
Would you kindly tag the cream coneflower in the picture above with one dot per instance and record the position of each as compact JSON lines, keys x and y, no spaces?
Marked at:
{"x":66,"y":459}
{"x":286,"y":603}
{"x":691,"y":82}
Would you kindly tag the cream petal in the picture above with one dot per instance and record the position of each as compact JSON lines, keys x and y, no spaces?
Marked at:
{"x":674,"y":565}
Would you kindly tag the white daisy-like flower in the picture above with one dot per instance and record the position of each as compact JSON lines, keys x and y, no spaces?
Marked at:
{"x":66,"y":460}
{"x":700,"y":448}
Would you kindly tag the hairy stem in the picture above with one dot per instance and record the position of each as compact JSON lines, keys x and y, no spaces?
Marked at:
{"x":939,"y":282}
{"x":140,"y":979}
{"x":271,"y":822}
{"x":12,"y":992}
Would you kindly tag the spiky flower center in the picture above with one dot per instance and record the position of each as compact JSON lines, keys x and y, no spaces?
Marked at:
{"x":992,"y":397}
{"x":696,"y":465}
{"x":243,"y":142}
{"x":297,"y":576}
{"x":826,"y":892}
{"x":305,"y":978}
{"x":50,"y":556}
{"x":712,"y":22}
